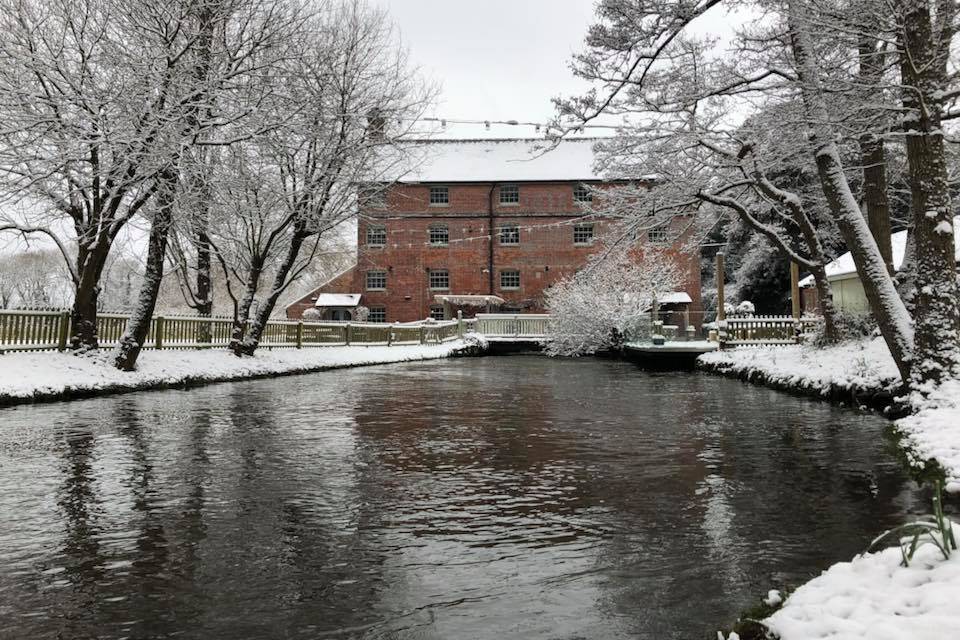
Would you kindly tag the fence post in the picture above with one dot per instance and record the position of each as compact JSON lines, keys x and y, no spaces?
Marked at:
{"x":423,"y":334}
{"x":349,"y":333}
{"x":721,"y":313}
{"x":300,"y":335}
{"x":460,"y":323}
{"x":158,"y":333}
{"x":390,"y":334}
{"x":64,"y":331}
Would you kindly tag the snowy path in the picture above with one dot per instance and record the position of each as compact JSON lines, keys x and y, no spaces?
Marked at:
{"x":33,"y":376}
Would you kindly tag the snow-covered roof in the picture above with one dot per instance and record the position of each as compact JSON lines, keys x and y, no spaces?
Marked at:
{"x":843,"y":266}
{"x":675,"y":297}
{"x":338,"y":300}
{"x":513,"y":160}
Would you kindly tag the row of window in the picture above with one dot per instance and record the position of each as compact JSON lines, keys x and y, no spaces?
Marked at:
{"x":508,"y":194}
{"x":439,"y":234}
{"x":439,"y":279}
{"x":508,"y":234}
{"x":379,"y":314}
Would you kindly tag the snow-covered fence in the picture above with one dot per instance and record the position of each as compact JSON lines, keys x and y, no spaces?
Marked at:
{"x":766,"y":330}
{"x":50,"y":330}
{"x":517,"y":326}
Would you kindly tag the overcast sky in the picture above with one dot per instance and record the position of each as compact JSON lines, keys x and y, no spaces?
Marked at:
{"x":494,"y":59}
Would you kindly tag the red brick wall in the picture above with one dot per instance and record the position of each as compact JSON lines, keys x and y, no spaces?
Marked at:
{"x":545,"y":214}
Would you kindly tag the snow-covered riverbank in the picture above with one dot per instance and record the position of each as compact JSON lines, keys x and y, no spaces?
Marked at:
{"x":873,"y":596}
{"x":858,"y":370}
{"x":28,"y":377}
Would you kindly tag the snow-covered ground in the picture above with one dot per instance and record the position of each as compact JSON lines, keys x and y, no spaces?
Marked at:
{"x":51,"y":375}
{"x":873,"y":597}
{"x":863,"y":365}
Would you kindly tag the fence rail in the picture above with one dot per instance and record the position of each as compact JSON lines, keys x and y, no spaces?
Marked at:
{"x":50,"y":331}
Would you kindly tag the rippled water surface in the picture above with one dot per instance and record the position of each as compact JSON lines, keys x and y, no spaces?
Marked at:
{"x":516,"y":497}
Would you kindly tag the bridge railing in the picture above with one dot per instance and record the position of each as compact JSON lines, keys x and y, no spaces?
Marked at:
{"x":521,"y":326}
{"x":29,"y":330}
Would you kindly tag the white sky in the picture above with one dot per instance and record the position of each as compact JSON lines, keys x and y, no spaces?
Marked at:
{"x":494,"y":59}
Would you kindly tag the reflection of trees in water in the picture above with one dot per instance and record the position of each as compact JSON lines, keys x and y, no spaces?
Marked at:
{"x":82,"y":555}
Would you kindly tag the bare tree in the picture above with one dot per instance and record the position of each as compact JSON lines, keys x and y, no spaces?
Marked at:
{"x":276,"y":195}
{"x":94,"y":96}
{"x":234,"y":43}
{"x":825,"y":58}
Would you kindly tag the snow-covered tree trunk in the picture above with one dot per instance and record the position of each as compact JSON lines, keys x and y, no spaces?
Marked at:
{"x":256,"y":328}
{"x":138,"y":326}
{"x":887,"y":307}
{"x":924,"y":53}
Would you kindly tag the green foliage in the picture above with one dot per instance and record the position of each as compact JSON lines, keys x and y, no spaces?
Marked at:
{"x":935,"y":529}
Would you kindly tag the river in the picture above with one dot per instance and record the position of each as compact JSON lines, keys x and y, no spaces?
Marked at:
{"x":467,"y":499}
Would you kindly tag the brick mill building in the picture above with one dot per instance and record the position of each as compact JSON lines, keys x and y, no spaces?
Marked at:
{"x":479,"y":225}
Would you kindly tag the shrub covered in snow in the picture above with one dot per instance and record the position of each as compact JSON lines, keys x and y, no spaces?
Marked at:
{"x":595,"y":309}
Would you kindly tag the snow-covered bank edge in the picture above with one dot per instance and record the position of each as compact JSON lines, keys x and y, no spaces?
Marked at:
{"x":872,"y":596}
{"x":860,"y":374}
{"x":50,"y":377}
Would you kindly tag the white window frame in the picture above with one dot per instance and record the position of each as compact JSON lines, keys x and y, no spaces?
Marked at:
{"x":437,"y":312}
{"x":512,"y":193}
{"x":371,"y":272}
{"x":510,"y":273}
{"x":582,"y":194}
{"x":583,"y":226}
{"x":513,"y":230}
{"x":437,"y":227}
{"x":444,"y":273}
{"x":438,"y":189}
{"x":380,"y":311}
{"x":658,"y":235}
{"x":380,"y":227}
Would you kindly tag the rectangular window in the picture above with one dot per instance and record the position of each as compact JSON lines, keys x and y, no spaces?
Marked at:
{"x":439,"y":234}
{"x":372,"y":198}
{"x":436,"y":312}
{"x":583,"y":233}
{"x":509,"y":279}
{"x":582,"y":194}
{"x":510,"y":234}
{"x":376,"y":280}
{"x":377,"y":314}
{"x":376,"y":235}
{"x":439,"y":279}
{"x":439,"y":196}
{"x":510,"y":194}
{"x":658,"y":235}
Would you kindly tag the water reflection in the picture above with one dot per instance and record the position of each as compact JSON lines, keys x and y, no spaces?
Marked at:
{"x":495,"y":498}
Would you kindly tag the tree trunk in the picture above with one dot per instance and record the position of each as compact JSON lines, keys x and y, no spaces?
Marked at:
{"x":256,"y":328}
{"x":242,"y":315}
{"x":825,"y":301}
{"x":83,"y":315}
{"x":923,"y":69}
{"x":887,"y":307}
{"x":872,"y":153}
{"x":875,"y":199}
{"x":126,"y":354}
